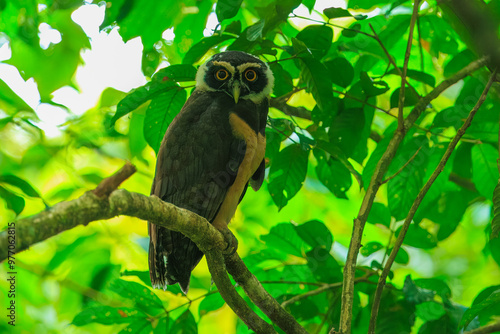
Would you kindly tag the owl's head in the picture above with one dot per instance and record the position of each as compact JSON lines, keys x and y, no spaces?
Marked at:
{"x":238,"y":74}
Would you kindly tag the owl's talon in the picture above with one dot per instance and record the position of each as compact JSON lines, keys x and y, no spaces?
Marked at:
{"x":231,"y":241}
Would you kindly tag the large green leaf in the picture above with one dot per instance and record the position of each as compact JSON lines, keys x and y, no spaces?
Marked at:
{"x":323,"y":266}
{"x":287,"y":174}
{"x":161,"y":111}
{"x":143,"y":297}
{"x":227,"y":9}
{"x":108,"y":315}
{"x":14,"y":202}
{"x":341,"y":71}
{"x":419,"y":237}
{"x":210,"y":303}
{"x":18,"y":182}
{"x":315,"y":75}
{"x":185,"y":324}
{"x":379,"y":214}
{"x":284,"y":238}
{"x":317,"y":38}
{"x":197,"y":51}
{"x":495,"y":223}
{"x":333,"y":174}
{"x":481,"y":304}
{"x":484,"y":169}
{"x":404,"y":187}
{"x":346,"y":129}
{"x":315,"y":234}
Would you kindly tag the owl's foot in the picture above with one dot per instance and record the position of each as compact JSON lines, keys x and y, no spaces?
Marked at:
{"x":231,"y":241}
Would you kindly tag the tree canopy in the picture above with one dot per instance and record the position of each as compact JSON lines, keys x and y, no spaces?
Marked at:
{"x":383,"y":112}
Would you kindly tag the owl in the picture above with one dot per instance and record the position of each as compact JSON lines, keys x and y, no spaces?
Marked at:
{"x":211,"y":151}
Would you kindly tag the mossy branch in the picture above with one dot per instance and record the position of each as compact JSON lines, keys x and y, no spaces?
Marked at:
{"x":106,"y":202}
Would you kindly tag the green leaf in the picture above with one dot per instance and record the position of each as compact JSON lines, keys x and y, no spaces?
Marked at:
{"x":346,"y":129}
{"x":333,"y":174}
{"x":479,"y":306}
{"x":141,"y":326}
{"x":430,"y":310}
{"x":323,"y":266}
{"x":484,"y":169}
{"x":372,"y":87}
{"x":436,"y":285}
{"x":150,"y":61}
{"x":352,"y":31}
{"x":495,"y":223}
{"x":284,"y":237}
{"x":254,"y":32}
{"x":227,"y":9}
{"x":176,"y":73}
{"x":418,"y":237}
{"x":371,"y":248}
{"x":458,"y":62}
{"x":317,"y":38}
{"x":185,"y":324}
{"x":402,"y":257}
{"x":144,"y":298}
{"x":379,"y":214}
{"x":108,"y":315}
{"x":210,"y":303}
{"x":136,"y":141}
{"x":334,"y":12}
{"x":142,"y":275}
{"x":411,"y":98}
{"x":315,"y":234}
{"x":139,"y":96}
{"x":17,"y":182}
{"x":404,"y":187}
{"x":341,"y":71}
{"x":416,"y":75}
{"x":10,"y":100}
{"x":287,"y":174}
{"x":283,"y":81}
{"x":14,"y":202}
{"x":415,"y":294}
{"x":160,"y":113}
{"x":315,"y":75}
{"x":197,"y":51}
{"x":494,"y":246}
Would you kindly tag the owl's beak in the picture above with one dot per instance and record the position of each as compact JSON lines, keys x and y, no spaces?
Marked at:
{"x":236,"y":92}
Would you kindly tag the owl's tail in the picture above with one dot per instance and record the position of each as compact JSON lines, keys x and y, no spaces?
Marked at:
{"x":172,"y":257}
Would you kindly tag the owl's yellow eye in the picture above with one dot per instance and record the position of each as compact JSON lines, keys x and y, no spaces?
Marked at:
{"x":221,"y":74}
{"x":251,"y":75}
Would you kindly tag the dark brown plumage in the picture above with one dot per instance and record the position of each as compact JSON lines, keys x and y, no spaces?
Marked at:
{"x":211,"y":151}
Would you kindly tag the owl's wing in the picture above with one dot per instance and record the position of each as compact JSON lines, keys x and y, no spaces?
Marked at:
{"x":197,"y":163}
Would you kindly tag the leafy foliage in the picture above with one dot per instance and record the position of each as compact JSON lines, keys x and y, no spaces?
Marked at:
{"x":334,"y":114}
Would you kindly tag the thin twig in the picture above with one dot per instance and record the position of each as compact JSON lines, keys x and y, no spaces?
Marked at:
{"x":361,"y":101}
{"x":375,"y":182}
{"x":333,"y":25}
{"x":405,"y":64}
{"x":110,"y":184}
{"x":403,"y":167}
{"x":322,"y":289}
{"x":399,"y":241}
{"x":391,"y":59}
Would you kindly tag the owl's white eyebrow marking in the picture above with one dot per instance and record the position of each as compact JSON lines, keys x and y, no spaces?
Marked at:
{"x":225,"y":64}
{"x":243,"y":67}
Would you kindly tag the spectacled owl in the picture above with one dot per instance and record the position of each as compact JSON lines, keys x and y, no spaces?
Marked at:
{"x":211,"y":151}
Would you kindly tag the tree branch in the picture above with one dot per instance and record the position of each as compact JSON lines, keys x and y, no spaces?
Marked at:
{"x":405,"y":64}
{"x":376,"y":181}
{"x":399,"y":241}
{"x":91,"y":207}
{"x":493,"y":328}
